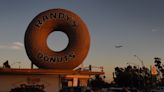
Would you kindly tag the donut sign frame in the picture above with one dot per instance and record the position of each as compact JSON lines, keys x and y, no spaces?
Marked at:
{"x":57,"y":20}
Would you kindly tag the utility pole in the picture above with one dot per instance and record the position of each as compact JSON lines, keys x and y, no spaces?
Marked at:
{"x":32,"y":66}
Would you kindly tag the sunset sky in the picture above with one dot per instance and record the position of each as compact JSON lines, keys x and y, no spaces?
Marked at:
{"x":137,"y":26}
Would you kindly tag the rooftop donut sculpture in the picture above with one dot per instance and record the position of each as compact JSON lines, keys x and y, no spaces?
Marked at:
{"x":57,"y":20}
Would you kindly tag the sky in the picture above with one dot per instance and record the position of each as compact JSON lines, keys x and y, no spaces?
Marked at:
{"x":137,"y":26}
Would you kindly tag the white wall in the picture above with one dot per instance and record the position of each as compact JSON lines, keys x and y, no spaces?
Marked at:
{"x":50,"y":82}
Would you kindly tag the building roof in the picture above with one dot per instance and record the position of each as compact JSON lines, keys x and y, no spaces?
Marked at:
{"x":5,"y":71}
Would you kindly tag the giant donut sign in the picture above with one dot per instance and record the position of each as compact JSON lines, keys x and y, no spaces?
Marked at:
{"x":57,"y":20}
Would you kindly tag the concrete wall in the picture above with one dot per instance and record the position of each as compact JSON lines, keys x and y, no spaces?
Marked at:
{"x":49,"y":83}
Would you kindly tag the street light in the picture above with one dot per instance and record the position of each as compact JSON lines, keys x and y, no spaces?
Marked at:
{"x":140,"y":60}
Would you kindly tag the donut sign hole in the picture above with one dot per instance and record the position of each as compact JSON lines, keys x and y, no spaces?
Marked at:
{"x":57,"y":41}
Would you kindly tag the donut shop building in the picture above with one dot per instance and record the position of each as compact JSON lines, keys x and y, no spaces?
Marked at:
{"x":47,"y":80}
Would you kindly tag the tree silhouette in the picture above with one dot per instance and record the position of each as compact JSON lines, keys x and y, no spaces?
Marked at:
{"x":131,"y":76}
{"x":157,"y":62}
{"x":160,"y":67}
{"x":97,"y":82}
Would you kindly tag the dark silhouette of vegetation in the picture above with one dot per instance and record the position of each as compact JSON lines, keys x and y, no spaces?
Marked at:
{"x":160,"y":67}
{"x":98,"y":82}
{"x":157,"y":62}
{"x":132,"y":77}
{"x":139,"y":77}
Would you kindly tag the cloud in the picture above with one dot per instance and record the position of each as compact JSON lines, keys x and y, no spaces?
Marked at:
{"x":2,"y":47}
{"x":156,"y":29}
{"x":13,"y":46}
{"x":18,"y":44}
